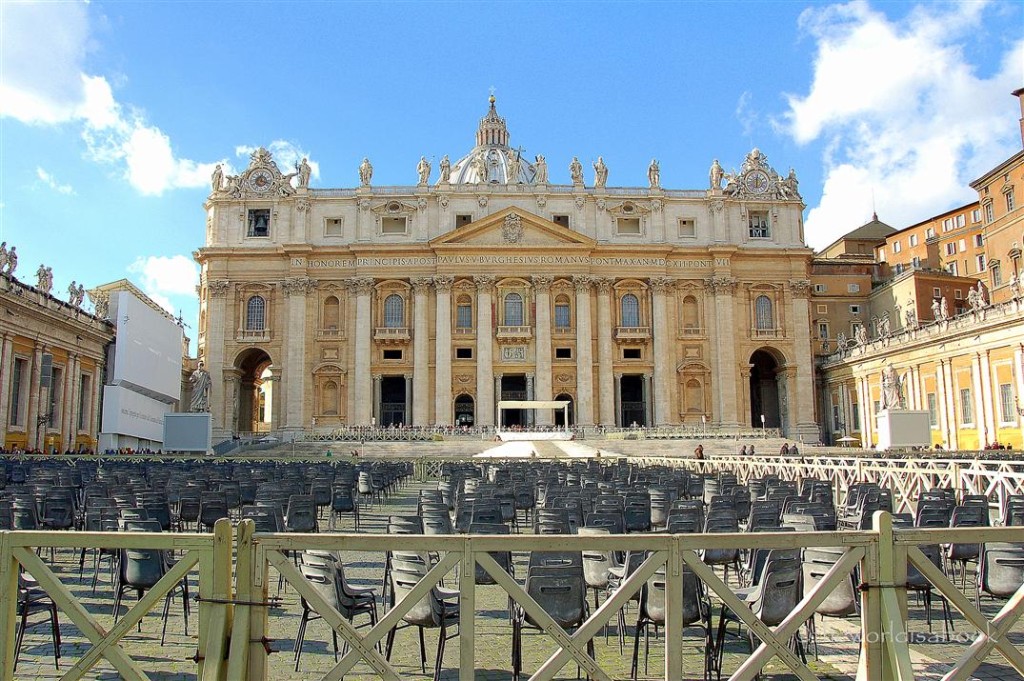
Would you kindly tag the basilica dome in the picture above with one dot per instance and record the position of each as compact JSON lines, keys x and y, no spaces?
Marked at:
{"x":492,"y":160}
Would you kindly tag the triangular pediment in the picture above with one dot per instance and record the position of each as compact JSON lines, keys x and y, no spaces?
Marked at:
{"x":516,"y":228}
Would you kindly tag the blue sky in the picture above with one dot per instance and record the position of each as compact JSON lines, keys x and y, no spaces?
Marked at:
{"x":112,"y":114}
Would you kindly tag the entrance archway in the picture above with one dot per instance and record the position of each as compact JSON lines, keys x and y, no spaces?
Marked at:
{"x":764,"y":390}
{"x":250,"y":408}
{"x":464,"y":415}
{"x":392,"y":401}
{"x":559,"y":418}
{"x":513,"y":387}
{"x":633,"y":401}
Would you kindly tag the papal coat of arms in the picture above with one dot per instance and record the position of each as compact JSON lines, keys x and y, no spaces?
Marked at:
{"x":512,"y":230}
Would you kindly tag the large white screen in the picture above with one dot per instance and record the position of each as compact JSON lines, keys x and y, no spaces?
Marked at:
{"x":148,"y":349}
{"x":187,"y":432}
{"x":128,"y":413}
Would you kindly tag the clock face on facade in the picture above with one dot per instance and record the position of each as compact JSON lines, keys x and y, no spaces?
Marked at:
{"x":260,"y":180}
{"x":756,"y":181}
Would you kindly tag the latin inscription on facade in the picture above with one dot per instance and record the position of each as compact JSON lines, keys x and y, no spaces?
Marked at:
{"x":583,"y":260}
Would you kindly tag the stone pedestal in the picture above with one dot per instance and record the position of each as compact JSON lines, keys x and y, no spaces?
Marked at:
{"x":188,"y":432}
{"x":903,"y":428}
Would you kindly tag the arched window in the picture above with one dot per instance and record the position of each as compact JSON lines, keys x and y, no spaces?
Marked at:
{"x":332,"y":313}
{"x":630,"y":311}
{"x":394,"y":311}
{"x":256,"y":314}
{"x":691,"y":315}
{"x":563,"y":313}
{"x":513,"y":310}
{"x":765,"y":321}
{"x":464,"y":313}
{"x":330,"y":399}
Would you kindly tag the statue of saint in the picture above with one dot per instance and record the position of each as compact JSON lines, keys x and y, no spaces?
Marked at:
{"x":423,"y":170}
{"x":982,"y":302}
{"x":842,"y":344}
{"x":911,"y":314}
{"x":654,"y":174}
{"x":576,"y":172}
{"x":72,"y":292}
{"x":445,"y":168}
{"x":41,"y":279}
{"x":791,"y":184}
{"x":3,"y":256}
{"x":862,"y":335}
{"x":80,"y":297}
{"x":541,"y":165}
{"x":884,"y":326}
{"x":217,"y":179}
{"x":480,"y":162}
{"x":304,"y":172}
{"x":944,"y":309}
{"x":101,"y":305}
{"x":715,"y":175}
{"x":513,"y":167}
{"x":600,"y":173}
{"x":365,"y":172}
{"x":200,"y":381}
{"x":12,"y":261}
{"x":936,"y":311}
{"x":972,"y":300}
{"x":892,"y":389}
{"x":1016,"y":286}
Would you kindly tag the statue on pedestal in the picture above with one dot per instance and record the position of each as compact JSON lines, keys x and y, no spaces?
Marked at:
{"x":513,"y":168}
{"x":217,"y":179}
{"x":576,"y":172}
{"x":541,"y":165}
{"x":423,"y":170}
{"x":715,"y":175}
{"x":911,"y":314}
{"x":200,"y":381}
{"x":892,"y":389}
{"x":654,"y":174}
{"x":600,"y":173}
{"x":303,"y":173}
{"x":445,"y":168}
{"x":365,"y":172}
{"x":3,"y":256}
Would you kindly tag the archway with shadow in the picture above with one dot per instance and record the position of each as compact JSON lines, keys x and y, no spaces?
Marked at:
{"x":251,"y":405}
{"x":559,"y":416}
{"x":765,"y":393}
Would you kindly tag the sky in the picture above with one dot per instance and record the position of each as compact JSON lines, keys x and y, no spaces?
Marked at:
{"x":113,"y":114}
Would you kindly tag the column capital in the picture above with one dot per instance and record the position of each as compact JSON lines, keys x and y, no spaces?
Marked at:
{"x":604,"y":284}
{"x":661,"y":284}
{"x":582,"y":282}
{"x":484,"y":283}
{"x":361,"y":285}
{"x":218,"y":287}
{"x":542,"y":282}
{"x":298,"y":285}
{"x":443,"y":283}
{"x":800,"y":288}
{"x":421,"y":284}
{"x":721,"y":285}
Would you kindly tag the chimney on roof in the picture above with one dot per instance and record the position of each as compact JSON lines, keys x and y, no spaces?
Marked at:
{"x":1019,"y":94}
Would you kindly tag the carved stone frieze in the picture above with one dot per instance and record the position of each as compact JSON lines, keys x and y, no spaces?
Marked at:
{"x":662,"y":284}
{"x":512,"y":229}
{"x":302,"y":205}
{"x":603,"y":284}
{"x":541,"y":282}
{"x":298,"y":285}
{"x":362,"y":285}
{"x":484,"y":283}
{"x":542,"y":201}
{"x":422,"y":284}
{"x":443,"y":283}
{"x":582,"y":282}
{"x":482,"y":200}
{"x":442,"y":200}
{"x":580,"y":201}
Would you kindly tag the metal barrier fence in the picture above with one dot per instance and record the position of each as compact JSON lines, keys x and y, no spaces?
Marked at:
{"x":234,"y":568}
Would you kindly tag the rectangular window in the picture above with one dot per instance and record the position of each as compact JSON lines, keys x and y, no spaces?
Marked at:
{"x":563,"y":317}
{"x":877,"y":406}
{"x":960,"y":220}
{"x":393,"y":225}
{"x":976,"y":215}
{"x":929,"y":233}
{"x":259,"y":222}
{"x":464,"y":317}
{"x":823,"y":309}
{"x":83,"y":402}
{"x":981,"y":263}
{"x":997,"y":273}
{"x":687,"y":228}
{"x":1010,"y":202}
{"x":936,"y":292}
{"x":758,"y":225}
{"x":951,"y":248}
{"x":562,"y":220}
{"x":855,"y":309}
{"x":933,"y":411}
{"x":1007,"y":408}
{"x":958,"y":294}
{"x":989,"y":213}
{"x":947,"y":224}
{"x":628,"y":226}
{"x":19,"y":383}
{"x":881,"y":255}
{"x":853,"y":288}
{"x":463,"y":353}
{"x":962,"y":244}
{"x":979,"y":240}
{"x":836,"y":422}
{"x":563,"y":353}
{"x":966,"y":413}
{"x":856,"y":415}
{"x":913,"y":240}
{"x":334,"y":227}
{"x":916,"y":262}
{"x":820,"y":288}
{"x":823,"y":330}
{"x":56,"y":392}
{"x":631,"y":353}
{"x":953,"y":269}
{"x":899,"y":268}
{"x":392,"y":354}
{"x":897,"y":247}
{"x":462,"y":220}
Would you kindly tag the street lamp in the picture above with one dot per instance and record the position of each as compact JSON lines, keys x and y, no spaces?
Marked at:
{"x":764,"y":430}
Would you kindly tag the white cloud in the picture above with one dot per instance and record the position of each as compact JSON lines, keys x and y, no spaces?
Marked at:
{"x":162,"y":277}
{"x":906,"y":121}
{"x":51,"y":182}
{"x":746,"y":116}
{"x":286,"y":154}
{"x":43,"y":82}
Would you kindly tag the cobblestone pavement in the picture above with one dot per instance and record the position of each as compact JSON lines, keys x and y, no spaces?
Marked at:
{"x":171,"y":661}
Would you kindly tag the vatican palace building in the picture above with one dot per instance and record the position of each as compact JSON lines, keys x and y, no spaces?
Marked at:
{"x":425,"y":305}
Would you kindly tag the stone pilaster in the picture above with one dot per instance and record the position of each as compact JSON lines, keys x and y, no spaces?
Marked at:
{"x":725,"y":392}
{"x":542,"y":290}
{"x":484,"y":352}
{"x":663,"y":351}
{"x":420,"y":353}
{"x":363,"y":335}
{"x":35,"y":406}
{"x":67,"y":403}
{"x":801,"y":395}
{"x":296,"y":291}
{"x":443,"y":407}
{"x":605,"y":354}
{"x":584,"y":353}
{"x":952,"y":432}
{"x":989,"y":400}
{"x":375,"y":416}
{"x":6,"y":376}
{"x":213,"y":355}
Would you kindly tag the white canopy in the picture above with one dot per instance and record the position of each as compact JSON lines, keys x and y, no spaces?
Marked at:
{"x":533,"y":404}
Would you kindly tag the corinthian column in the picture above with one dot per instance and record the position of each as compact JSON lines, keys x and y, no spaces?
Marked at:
{"x":801,"y":402}
{"x":35,"y":399}
{"x":420,"y":353}
{"x":443,"y":351}
{"x":484,"y":352}
{"x":584,"y":353}
{"x":727,"y":407}
{"x":296,"y":290}
{"x":542,"y":289}
{"x":213,"y":355}
{"x":662,"y":352}
{"x":363,"y":287}
{"x":605,"y":377}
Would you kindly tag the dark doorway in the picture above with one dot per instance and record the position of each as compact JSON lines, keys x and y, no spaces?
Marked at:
{"x":513,"y":387}
{"x":464,"y":411}
{"x":634,"y":409}
{"x":249,"y":415}
{"x":764,"y":390}
{"x":559,"y":417}
{"x":392,"y":401}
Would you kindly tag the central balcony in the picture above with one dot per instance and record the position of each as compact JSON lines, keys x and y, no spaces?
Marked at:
{"x":514,"y":334}
{"x":391,"y":335}
{"x":632,"y":333}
